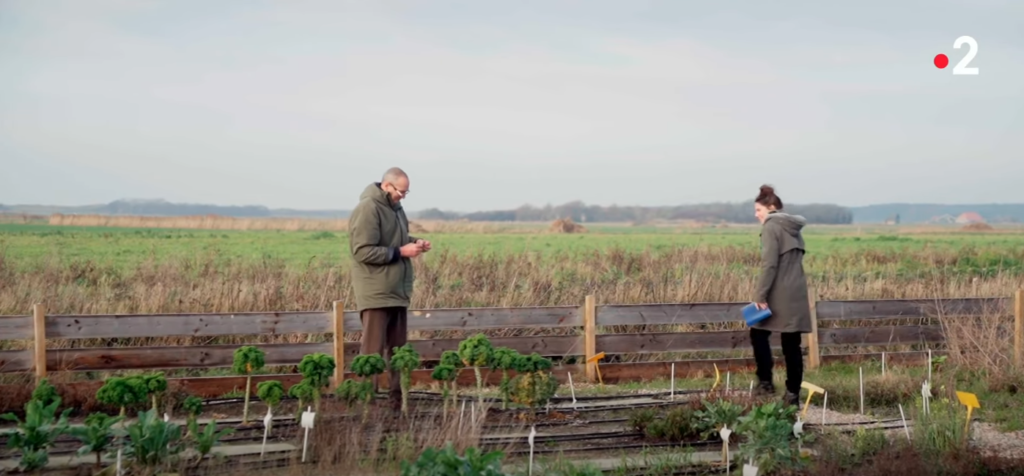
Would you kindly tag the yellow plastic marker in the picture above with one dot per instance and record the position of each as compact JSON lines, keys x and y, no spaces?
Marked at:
{"x":718,"y":378}
{"x":811,"y":390}
{"x":594,"y":360}
{"x":970,"y":401}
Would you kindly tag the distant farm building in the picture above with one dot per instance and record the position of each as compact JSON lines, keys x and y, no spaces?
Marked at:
{"x":969,"y":217}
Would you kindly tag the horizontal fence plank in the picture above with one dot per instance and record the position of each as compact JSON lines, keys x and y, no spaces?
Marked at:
{"x":222,"y":356}
{"x":893,"y":308}
{"x":547,"y":346}
{"x":15,"y":361}
{"x":180,"y":357}
{"x":16,"y":327}
{"x":482,"y":318}
{"x":167,"y":325}
{"x":686,"y":313}
{"x":882,"y":335}
{"x":81,"y":394}
{"x":649,"y":343}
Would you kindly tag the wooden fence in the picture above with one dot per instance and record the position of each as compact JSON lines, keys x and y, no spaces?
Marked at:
{"x":581,"y":336}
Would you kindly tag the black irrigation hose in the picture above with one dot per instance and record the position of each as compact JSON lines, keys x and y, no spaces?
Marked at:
{"x":628,"y":446}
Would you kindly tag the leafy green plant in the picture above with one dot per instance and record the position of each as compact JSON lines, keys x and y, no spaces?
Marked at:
{"x":248,"y":359}
{"x":97,"y":435}
{"x":434,"y":462}
{"x":404,"y":360}
{"x":316,"y":370}
{"x":504,"y":359}
{"x":476,"y":352}
{"x":206,"y":439}
{"x":533,"y":386}
{"x":366,"y":367}
{"x":717,"y":413}
{"x":122,"y":392}
{"x":304,"y":392}
{"x":44,"y":392}
{"x":152,"y":443}
{"x":270,"y":392}
{"x":37,"y":434}
{"x":451,"y":358}
{"x":767,"y":431}
{"x":352,"y":391}
{"x":155,"y":384}
{"x":676,"y":425}
{"x":193,"y":406}
{"x":444,"y":373}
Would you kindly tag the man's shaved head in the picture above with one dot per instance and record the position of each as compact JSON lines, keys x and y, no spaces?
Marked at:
{"x":393,"y":174}
{"x":396,"y":183}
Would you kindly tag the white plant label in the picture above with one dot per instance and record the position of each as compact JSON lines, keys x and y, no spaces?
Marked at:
{"x":266,"y":431}
{"x":307,"y":418}
{"x":904,"y":418}
{"x":798,"y":429}
{"x":572,"y":388}
{"x":929,"y":366}
{"x":862,"y":390}
{"x":533,"y":433}
{"x":824,"y":405}
{"x":727,"y":375}
{"x":307,"y":424}
{"x":926,"y":395}
{"x":725,"y":432}
{"x":749,"y":470}
{"x":167,"y":418}
{"x":672,"y":385}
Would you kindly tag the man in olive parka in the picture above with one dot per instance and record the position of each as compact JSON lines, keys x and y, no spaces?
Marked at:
{"x":382,"y":270}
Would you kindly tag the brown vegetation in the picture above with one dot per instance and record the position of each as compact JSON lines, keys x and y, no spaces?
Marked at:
{"x":566,"y":225}
{"x":977,"y":227}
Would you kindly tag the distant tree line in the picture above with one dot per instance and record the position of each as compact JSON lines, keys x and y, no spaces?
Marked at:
{"x":709,"y":212}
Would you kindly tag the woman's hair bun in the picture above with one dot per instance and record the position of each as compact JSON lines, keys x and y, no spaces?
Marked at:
{"x":768,"y":198}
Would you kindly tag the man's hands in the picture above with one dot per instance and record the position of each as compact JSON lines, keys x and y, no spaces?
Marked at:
{"x":412,"y":250}
{"x":761,"y":306}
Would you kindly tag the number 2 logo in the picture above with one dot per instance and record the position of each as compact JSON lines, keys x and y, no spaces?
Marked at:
{"x":941,"y":60}
{"x":961,"y":67}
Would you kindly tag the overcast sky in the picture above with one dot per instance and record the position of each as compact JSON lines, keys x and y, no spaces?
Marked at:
{"x":491,"y":104}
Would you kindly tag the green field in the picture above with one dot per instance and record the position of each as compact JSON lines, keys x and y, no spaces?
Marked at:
{"x":27,"y":245}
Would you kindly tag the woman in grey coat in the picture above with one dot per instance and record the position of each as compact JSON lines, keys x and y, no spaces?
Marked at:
{"x":783,"y":289}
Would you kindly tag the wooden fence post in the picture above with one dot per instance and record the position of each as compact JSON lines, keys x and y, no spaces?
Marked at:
{"x":813,"y":353}
{"x":1018,"y":327}
{"x":339,"y":342}
{"x":590,"y":337}
{"x":39,"y":325}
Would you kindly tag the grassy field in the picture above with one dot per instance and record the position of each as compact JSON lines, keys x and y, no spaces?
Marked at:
{"x":102,"y":270}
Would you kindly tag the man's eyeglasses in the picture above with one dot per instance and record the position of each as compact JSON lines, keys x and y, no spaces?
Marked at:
{"x":402,"y":192}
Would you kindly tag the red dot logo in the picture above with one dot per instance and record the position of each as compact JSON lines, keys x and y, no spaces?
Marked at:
{"x":941,"y":61}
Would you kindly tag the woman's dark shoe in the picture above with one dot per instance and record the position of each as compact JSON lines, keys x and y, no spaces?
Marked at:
{"x":764,"y":389}
{"x":791,"y":398}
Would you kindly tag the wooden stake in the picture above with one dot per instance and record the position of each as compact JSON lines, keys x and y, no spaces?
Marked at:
{"x":39,"y":325}
{"x":339,"y":342}
{"x":1018,"y":327}
{"x":813,"y":353}
{"x":590,"y":336}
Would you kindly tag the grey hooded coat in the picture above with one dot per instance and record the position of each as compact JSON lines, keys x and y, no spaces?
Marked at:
{"x":782,"y":284}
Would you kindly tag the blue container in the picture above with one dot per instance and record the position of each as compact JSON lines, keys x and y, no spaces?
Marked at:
{"x":753,"y":315}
